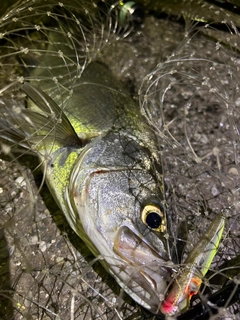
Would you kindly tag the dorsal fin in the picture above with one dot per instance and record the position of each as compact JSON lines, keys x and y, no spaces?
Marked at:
{"x":38,"y":128}
{"x":51,"y":120}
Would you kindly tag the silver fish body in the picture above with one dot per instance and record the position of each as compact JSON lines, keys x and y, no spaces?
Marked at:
{"x":103,"y":177}
{"x":114,"y":177}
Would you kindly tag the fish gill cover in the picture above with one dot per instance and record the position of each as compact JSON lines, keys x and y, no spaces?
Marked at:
{"x":185,"y":78}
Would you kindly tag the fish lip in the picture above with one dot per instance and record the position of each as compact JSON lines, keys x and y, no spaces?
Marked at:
{"x":137,"y":253}
{"x":133,"y":248}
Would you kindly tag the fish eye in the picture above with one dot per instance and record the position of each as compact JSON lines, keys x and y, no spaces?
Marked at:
{"x":154,"y":218}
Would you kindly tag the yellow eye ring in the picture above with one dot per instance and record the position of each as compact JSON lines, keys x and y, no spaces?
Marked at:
{"x":154,"y":218}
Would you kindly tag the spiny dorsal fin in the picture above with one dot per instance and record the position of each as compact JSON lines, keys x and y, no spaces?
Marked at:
{"x":50,"y":122}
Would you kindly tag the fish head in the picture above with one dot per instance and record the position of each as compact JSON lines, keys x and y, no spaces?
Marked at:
{"x":117,"y":207}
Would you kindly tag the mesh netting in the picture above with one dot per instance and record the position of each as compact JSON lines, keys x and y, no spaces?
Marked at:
{"x":186,"y":80}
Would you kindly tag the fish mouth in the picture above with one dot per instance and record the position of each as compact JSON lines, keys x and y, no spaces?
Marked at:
{"x":150,"y":270}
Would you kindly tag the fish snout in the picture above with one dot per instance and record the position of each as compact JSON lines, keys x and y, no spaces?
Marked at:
{"x":148,"y":269}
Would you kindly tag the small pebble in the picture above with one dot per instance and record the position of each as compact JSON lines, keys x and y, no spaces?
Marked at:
{"x":33,"y":240}
{"x":20,"y":182}
{"x":42,"y":246}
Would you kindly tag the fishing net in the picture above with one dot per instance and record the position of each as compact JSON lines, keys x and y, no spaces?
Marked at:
{"x":185,"y":78}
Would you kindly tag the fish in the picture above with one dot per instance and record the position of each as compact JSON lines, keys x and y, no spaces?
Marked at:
{"x":101,"y":161}
{"x":108,"y":183}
